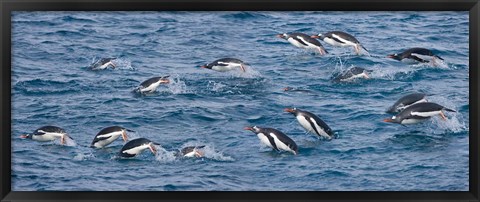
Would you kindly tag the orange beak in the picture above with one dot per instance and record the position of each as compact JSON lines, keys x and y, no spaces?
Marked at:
{"x":164,"y":81}
{"x":314,"y":36}
{"x":288,"y":110}
{"x":248,"y":128}
{"x":24,"y":136}
{"x":279,"y":35}
{"x":389,"y":56}
{"x":389,"y":120}
{"x":203,"y":66}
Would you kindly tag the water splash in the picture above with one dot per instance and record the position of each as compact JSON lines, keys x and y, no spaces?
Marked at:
{"x":178,"y":86}
{"x":249,"y":73}
{"x":163,"y":155}
{"x":83,"y":157}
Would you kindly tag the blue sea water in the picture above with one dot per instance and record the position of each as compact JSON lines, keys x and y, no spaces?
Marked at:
{"x":52,"y":85}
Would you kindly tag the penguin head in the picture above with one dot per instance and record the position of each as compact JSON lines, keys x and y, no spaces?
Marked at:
{"x":283,"y":36}
{"x":293,"y":111}
{"x":207,"y":66}
{"x":164,"y":79}
{"x":394,"y":119}
{"x":394,"y":56}
{"x":254,"y":129}
{"x":318,"y":36}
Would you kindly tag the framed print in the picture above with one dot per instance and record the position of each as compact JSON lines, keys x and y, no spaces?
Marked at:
{"x":239,"y":100}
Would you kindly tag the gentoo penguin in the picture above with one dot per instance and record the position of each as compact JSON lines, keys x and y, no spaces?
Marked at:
{"x":136,"y":146}
{"x":406,"y":101}
{"x":302,"y":40}
{"x":103,"y":63}
{"x":109,"y":134}
{"x":225,"y":64}
{"x":351,"y":74}
{"x":150,"y":85}
{"x":418,"y":112}
{"x":47,"y":133}
{"x":342,"y":39}
{"x":311,"y":123}
{"x":290,"y":89}
{"x":274,"y":139}
{"x":416,"y":55}
{"x":192,"y":151}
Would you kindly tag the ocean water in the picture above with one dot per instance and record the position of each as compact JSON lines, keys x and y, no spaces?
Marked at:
{"x":52,"y":85}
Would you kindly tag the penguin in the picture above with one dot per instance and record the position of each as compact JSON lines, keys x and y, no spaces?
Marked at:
{"x":419,"y":112}
{"x":407,"y":101}
{"x":342,"y":39}
{"x":352,"y":74}
{"x":192,"y":151}
{"x":151,"y":85}
{"x":416,"y":55}
{"x":302,"y":40}
{"x":312,"y":123}
{"x":136,"y":146}
{"x":109,"y":134}
{"x":291,"y":89}
{"x":275,"y":139}
{"x":103,"y":63}
{"x":47,"y":133}
{"x":225,"y":64}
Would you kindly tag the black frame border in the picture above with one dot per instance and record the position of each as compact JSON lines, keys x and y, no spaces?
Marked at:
{"x":7,"y":6}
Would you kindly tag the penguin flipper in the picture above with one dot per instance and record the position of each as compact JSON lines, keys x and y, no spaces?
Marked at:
{"x":450,"y":110}
{"x":272,"y":142}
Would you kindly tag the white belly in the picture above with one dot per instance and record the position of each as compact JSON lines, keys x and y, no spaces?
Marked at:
{"x":103,"y":143}
{"x":47,"y":137}
{"x":412,"y":121}
{"x":296,"y":43}
{"x":305,"y":124}
{"x":151,"y":88}
{"x":281,"y":145}
{"x":104,"y":66}
{"x":333,"y":42}
{"x":136,"y":150}
{"x":264,"y":139}
{"x":229,"y":67}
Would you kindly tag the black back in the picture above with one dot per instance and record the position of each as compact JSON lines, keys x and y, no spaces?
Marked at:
{"x":405,"y":100}
{"x":419,"y":107}
{"x":132,"y":144}
{"x":281,"y":136}
{"x":51,"y":129}
{"x":101,"y":62}
{"x":305,"y":37}
{"x":341,"y":34}
{"x":349,"y":73}
{"x":151,"y":81}
{"x":317,"y":119}
{"x":216,"y":62}
{"x":106,"y":130}
{"x":189,"y":149}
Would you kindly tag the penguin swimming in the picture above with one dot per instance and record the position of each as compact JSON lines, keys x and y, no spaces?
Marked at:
{"x":290,"y":89}
{"x":416,"y":55}
{"x":302,"y":40}
{"x":352,"y":74}
{"x":136,"y":146}
{"x":191,"y":151}
{"x":275,"y":139}
{"x":103,"y":63}
{"x":419,"y":112}
{"x":311,"y":123}
{"x":47,"y":133}
{"x":151,"y":85}
{"x":342,"y":39}
{"x":225,"y":64}
{"x":107,"y":135}
{"x":407,"y":101}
